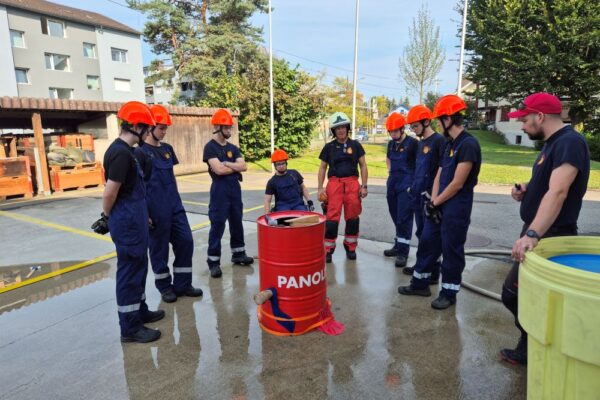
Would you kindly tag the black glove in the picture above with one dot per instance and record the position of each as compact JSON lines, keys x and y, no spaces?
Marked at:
{"x":310,"y":205}
{"x":432,"y":212}
{"x":324,"y":208}
{"x":101,"y":226}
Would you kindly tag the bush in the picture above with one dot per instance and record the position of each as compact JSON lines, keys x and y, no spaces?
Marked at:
{"x":593,"y":142}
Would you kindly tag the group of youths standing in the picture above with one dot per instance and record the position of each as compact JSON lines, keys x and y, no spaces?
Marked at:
{"x":431,"y":178}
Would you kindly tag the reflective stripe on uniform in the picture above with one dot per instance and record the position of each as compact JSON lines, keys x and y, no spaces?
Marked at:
{"x":129,"y":308}
{"x":143,"y":296}
{"x":402,"y":240}
{"x":424,"y":275}
{"x":329,"y":244}
{"x":348,"y":239}
{"x":214,"y":258}
{"x":182,"y":270}
{"x":451,"y":286}
{"x":237,"y":249}
{"x":162,"y":276}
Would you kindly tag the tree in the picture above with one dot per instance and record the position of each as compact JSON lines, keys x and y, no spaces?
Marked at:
{"x":338,"y":97}
{"x":520,"y":47}
{"x":423,"y":57}
{"x":430,"y":99}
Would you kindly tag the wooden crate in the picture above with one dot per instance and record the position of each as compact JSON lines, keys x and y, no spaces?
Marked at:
{"x":82,"y":141}
{"x":77,"y":177}
{"x":15,"y":177}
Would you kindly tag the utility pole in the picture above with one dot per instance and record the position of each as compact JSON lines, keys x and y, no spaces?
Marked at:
{"x":271,"y":84}
{"x":355,"y":71}
{"x":462,"y":49}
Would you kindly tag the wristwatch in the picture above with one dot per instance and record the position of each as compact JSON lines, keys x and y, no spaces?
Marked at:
{"x":364,"y":186}
{"x":532,"y":234}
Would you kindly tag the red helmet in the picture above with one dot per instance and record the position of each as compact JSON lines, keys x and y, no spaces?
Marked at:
{"x":395,"y":121}
{"x":279,"y":155}
{"x":134,"y":112}
{"x":449,"y":105}
{"x":161,"y":115}
{"x":418,"y":113}
{"x":222,"y":117}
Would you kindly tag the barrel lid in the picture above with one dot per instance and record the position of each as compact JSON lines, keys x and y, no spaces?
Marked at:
{"x":585,"y":262}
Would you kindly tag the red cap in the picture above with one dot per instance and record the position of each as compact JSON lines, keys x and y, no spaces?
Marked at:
{"x":542,"y":102}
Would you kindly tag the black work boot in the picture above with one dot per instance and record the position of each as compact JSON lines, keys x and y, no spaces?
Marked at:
{"x":518,"y":356}
{"x":442,"y":302}
{"x":152,"y":316}
{"x":350,"y":254}
{"x":190,"y":291}
{"x":169,"y":296}
{"x":328,"y":257}
{"x":408,"y":270}
{"x":410,"y":290}
{"x":433,"y":280}
{"x":241,"y":258}
{"x":400,"y":261}
{"x":215,"y":270}
{"x":390,"y":252}
{"x":143,"y":335}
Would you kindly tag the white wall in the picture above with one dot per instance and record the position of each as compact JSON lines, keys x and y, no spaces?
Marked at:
{"x":8,"y":80}
{"x":131,"y":70}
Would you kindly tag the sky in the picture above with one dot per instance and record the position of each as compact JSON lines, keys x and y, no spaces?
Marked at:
{"x":319,"y":36}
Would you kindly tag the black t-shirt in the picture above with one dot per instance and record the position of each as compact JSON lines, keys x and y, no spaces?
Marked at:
{"x":229,"y":152}
{"x":564,"y":146}
{"x":466,"y":149}
{"x":272,"y":184}
{"x":145,"y":153}
{"x":120,"y":166}
{"x":342,"y":158}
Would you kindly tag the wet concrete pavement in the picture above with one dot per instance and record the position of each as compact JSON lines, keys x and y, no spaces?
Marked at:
{"x":59,"y":337}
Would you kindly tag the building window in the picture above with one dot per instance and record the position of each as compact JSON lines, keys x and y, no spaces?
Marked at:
{"x":93,"y":82}
{"x":504,"y":114}
{"x":122,"y":85}
{"x":53,"y":28}
{"x":89,"y":50}
{"x":518,"y":139}
{"x":22,"y":75}
{"x":17,"y":38}
{"x":185,"y":86}
{"x":60,"y":93}
{"x":118,"y":55}
{"x":149,"y":91}
{"x":57,"y":62}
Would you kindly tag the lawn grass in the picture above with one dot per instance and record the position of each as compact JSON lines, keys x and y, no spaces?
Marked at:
{"x":502,"y":164}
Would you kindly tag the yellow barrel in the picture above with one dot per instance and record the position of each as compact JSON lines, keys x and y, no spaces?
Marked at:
{"x":559,"y":307}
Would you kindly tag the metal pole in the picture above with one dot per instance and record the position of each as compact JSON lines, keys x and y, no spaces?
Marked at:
{"x":462,"y":49}
{"x":355,"y":71}
{"x":271,"y":82}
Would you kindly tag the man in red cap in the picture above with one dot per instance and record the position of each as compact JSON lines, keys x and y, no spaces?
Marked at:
{"x":552,"y":199}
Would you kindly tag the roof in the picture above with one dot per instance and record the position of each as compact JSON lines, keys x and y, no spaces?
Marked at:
{"x":43,"y":104}
{"x":68,"y":13}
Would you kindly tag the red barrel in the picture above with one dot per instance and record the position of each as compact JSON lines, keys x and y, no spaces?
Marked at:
{"x":292,"y":261}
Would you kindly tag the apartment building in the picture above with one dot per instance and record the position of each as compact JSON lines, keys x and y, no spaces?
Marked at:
{"x":55,"y":51}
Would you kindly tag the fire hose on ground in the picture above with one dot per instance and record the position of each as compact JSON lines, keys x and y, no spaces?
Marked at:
{"x":477,"y":289}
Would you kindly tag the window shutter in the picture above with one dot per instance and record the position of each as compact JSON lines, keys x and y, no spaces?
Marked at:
{"x":44,"y":25}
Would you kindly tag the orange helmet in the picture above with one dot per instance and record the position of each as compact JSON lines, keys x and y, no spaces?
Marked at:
{"x":222,"y":117}
{"x":279,"y":155}
{"x":134,"y":112}
{"x":395,"y":121}
{"x":161,"y":115}
{"x":418,"y":113}
{"x":449,"y":105}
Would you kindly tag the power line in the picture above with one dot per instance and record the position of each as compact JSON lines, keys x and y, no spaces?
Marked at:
{"x":120,"y":4}
{"x":335,"y":66}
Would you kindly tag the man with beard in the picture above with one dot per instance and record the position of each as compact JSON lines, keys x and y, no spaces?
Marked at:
{"x":400,"y":161}
{"x":552,"y":199}
{"x":225,"y":165}
{"x":342,"y":157}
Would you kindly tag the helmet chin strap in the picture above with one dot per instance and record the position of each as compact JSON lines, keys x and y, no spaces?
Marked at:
{"x":154,"y":136}
{"x":138,"y":135}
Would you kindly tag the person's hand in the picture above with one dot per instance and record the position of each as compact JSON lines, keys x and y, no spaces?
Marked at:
{"x":518,"y":191}
{"x":321,"y":194}
{"x":101,"y":226}
{"x":522,"y":246}
{"x":432,"y":212}
{"x":363,"y":192}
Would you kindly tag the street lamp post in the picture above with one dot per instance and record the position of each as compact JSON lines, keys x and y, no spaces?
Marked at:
{"x":355,"y":71}
{"x":271,"y":82}
{"x":462,"y":49}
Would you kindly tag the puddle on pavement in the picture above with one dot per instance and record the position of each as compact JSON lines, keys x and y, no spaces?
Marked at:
{"x":44,"y":289}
